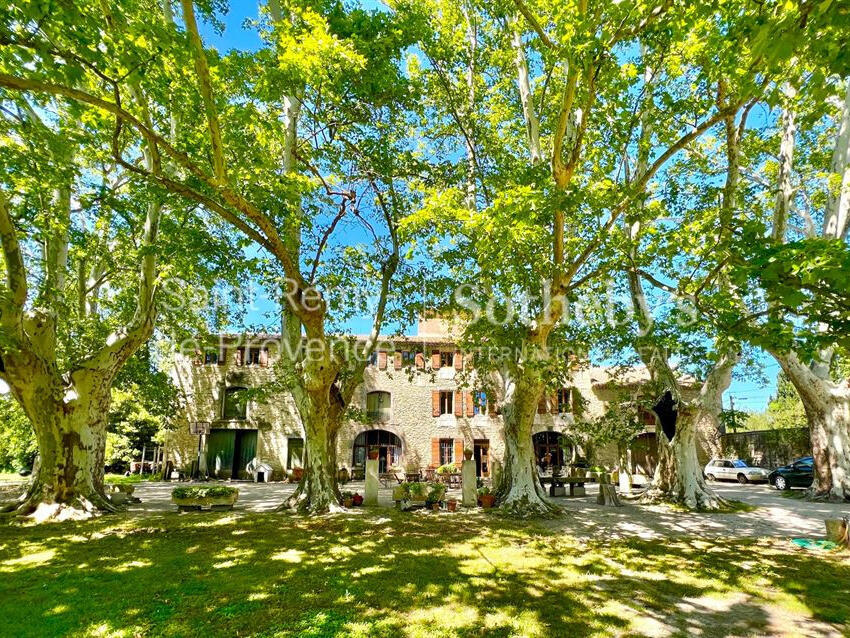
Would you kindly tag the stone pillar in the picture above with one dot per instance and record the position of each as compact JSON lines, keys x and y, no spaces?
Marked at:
{"x":470,"y":489}
{"x":371,"y":496}
{"x":495,"y":472}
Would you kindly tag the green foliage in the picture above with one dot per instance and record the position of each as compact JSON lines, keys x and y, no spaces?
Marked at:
{"x":203,"y":492}
{"x":448,"y":468}
{"x":784,"y":410}
{"x":17,"y":440}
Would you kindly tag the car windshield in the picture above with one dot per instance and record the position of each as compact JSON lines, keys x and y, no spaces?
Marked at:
{"x":739,"y":463}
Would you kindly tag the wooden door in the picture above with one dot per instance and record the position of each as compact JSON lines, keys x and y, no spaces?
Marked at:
{"x":220,"y":448}
{"x":245,"y":449}
{"x":481,"y":450}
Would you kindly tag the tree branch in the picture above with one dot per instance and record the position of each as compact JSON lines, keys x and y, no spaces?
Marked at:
{"x":202,"y":70}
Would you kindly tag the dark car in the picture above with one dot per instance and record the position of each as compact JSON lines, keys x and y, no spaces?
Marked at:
{"x":800,"y":473}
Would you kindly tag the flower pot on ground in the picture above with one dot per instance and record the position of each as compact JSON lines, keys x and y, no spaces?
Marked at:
{"x":347,"y":499}
{"x":452,"y":505}
{"x":357,"y":499}
{"x":194,"y":497}
{"x":295,"y":474}
{"x":485,"y":497}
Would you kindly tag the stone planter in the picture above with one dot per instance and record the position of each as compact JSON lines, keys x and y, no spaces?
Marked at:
{"x":200,"y":500}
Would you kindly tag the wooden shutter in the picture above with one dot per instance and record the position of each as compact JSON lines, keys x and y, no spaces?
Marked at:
{"x":458,"y":452}
{"x":435,"y":452}
{"x":553,"y":403}
{"x":435,"y":360}
{"x":382,"y":360}
{"x":397,"y":361}
{"x":264,"y":357}
{"x":458,"y":403}
{"x":491,"y":407}
{"x":420,"y":360}
{"x":240,"y":356}
{"x":222,"y":356}
{"x":458,"y":361}
{"x":435,"y":402}
{"x":470,"y":404}
{"x":542,"y":408}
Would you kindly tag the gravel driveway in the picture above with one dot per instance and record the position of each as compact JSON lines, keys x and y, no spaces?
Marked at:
{"x":776,"y":515}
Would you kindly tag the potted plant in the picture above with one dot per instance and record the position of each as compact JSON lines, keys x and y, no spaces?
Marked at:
{"x":357,"y":499}
{"x":467,"y":454}
{"x":195,"y":497}
{"x":374,"y":452}
{"x":347,"y":499}
{"x":296,"y":474}
{"x":401,"y":492}
{"x":342,"y":476}
{"x":436,"y":494}
{"x":451,"y":504}
{"x":485,"y":497}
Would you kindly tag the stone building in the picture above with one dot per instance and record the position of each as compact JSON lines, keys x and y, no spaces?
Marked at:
{"x":417,"y":406}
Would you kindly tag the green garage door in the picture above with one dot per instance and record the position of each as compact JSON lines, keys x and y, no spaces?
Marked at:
{"x":229,"y":452}
{"x":220,"y":453}
{"x":244,"y":452}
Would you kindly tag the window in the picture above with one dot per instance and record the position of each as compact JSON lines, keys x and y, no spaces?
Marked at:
{"x":373,"y":359}
{"x":447,"y":402}
{"x":378,"y":406}
{"x":564,"y":395}
{"x":739,"y":463}
{"x":447,"y":359}
{"x":253,"y":357}
{"x":235,"y":403}
{"x":407,"y":357}
{"x":479,"y":405}
{"x":211,"y":357}
{"x":446,"y":451}
{"x":294,"y":453}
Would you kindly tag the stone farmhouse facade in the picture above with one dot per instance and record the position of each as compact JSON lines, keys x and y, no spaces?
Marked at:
{"x":417,"y":399}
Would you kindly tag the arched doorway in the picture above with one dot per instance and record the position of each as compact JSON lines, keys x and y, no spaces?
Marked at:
{"x":388,"y":444}
{"x":549,"y":443}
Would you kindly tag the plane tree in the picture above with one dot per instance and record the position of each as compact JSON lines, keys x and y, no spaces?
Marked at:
{"x":533,"y":108}
{"x":298,"y":146}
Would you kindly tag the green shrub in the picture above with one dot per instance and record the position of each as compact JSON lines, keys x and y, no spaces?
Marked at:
{"x":201,"y":492}
{"x":448,"y":468}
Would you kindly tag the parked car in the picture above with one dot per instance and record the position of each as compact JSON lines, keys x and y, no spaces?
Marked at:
{"x":734,"y":470}
{"x":800,"y":473}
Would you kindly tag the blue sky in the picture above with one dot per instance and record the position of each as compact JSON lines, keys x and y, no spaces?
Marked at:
{"x":747,"y":394}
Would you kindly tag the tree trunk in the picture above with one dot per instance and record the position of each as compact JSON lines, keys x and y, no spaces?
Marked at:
{"x":316,"y":493}
{"x":520,"y":492}
{"x":70,"y":427}
{"x":827,"y":407}
{"x":678,"y":475}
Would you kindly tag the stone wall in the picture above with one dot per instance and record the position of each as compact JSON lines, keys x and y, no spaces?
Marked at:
{"x":410,"y":416}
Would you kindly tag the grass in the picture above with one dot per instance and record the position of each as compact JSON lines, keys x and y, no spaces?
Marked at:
{"x":121,"y":479}
{"x":12,"y":477}
{"x":395,"y":574}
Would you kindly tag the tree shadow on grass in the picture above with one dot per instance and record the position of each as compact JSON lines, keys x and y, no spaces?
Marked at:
{"x":392,"y":574}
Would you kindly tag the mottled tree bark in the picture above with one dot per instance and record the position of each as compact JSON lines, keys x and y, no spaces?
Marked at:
{"x":520,"y":492}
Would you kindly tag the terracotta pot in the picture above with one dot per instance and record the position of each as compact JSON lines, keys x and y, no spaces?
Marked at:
{"x":452,"y":505}
{"x":296,"y":474}
{"x":486,"y":500}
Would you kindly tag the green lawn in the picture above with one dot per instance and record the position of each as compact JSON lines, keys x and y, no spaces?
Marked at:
{"x":394,"y":574}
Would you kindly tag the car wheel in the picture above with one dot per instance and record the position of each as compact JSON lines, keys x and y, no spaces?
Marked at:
{"x":743,"y":479}
{"x":780,"y":483}
{"x":711,"y":477}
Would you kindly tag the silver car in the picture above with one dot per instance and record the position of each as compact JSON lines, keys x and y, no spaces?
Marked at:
{"x":735,"y":470}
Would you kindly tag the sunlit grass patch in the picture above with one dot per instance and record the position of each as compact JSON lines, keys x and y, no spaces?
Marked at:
{"x":396,"y":575}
